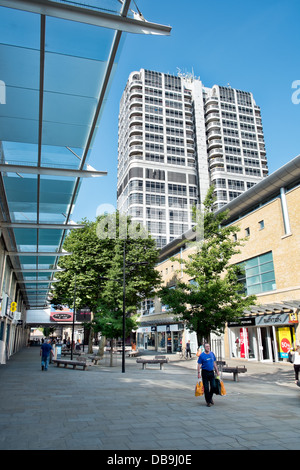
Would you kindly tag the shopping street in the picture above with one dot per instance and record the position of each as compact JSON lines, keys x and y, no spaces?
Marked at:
{"x":154,"y":410}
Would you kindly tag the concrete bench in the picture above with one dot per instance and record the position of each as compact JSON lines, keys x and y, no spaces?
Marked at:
{"x":161,"y":360}
{"x":67,"y":363}
{"x":132,"y":353}
{"x":95,"y":359}
{"x":235,"y":371}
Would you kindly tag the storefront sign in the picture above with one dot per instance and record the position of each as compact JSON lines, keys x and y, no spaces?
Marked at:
{"x":144,"y":329}
{"x":244,"y":340}
{"x":83,"y":315}
{"x":293,"y":318}
{"x":63,"y":314}
{"x":161,"y":327}
{"x":275,"y":319}
{"x":8,"y":312}
{"x":246,"y":321}
{"x":284,"y":341}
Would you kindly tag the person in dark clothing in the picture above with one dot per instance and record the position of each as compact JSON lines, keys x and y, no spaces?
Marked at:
{"x":207,"y":363}
{"x":188,"y":349}
{"x":45,"y":351}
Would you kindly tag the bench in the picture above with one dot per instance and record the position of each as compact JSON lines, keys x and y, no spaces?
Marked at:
{"x":95,"y":359}
{"x":66,"y":363}
{"x":161,"y":360}
{"x":132,"y":353}
{"x":231,"y":370}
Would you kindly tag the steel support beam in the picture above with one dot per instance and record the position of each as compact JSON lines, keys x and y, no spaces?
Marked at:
{"x":47,"y":171}
{"x":40,"y":226}
{"x":89,"y":16}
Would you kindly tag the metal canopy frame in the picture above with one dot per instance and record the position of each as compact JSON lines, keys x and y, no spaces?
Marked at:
{"x":65,"y":172}
{"x":85,"y":14}
{"x":16,"y":230}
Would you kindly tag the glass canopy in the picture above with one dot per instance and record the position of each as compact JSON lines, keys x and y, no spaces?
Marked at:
{"x":57,"y":59}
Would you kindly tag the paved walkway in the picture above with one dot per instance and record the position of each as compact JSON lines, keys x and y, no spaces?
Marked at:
{"x":105,"y":409}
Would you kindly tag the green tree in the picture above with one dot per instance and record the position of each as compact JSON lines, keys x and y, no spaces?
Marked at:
{"x":213,"y":296}
{"x":96,"y":264}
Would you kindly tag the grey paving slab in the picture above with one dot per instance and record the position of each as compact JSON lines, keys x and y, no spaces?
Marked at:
{"x":104,"y":409}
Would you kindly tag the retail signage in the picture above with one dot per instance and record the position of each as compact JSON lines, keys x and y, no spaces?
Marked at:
{"x":2,"y":305}
{"x":247,"y":321}
{"x":244,"y":342}
{"x":61,"y":317}
{"x":161,"y":327}
{"x":275,"y":319}
{"x":8,"y":312}
{"x":64,"y":314}
{"x":17,"y":317}
{"x":83,"y":315}
{"x":144,"y":329}
{"x":293,"y":318}
{"x":284,"y":340}
{"x":174,"y":327}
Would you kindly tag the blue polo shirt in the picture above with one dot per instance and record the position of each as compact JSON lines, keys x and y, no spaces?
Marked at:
{"x":46,"y":348}
{"x":207,"y":360}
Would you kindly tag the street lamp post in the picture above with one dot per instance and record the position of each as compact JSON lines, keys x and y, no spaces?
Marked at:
{"x":74,"y":313}
{"x":73,"y":323}
{"x":124,"y":302}
{"x":124,"y":298}
{"x":124,"y":292}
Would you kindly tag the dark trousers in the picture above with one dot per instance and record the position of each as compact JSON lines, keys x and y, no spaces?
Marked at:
{"x":296,"y":369}
{"x":208,"y":379}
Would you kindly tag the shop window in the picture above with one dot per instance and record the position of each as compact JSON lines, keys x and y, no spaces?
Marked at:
{"x":258,"y":274}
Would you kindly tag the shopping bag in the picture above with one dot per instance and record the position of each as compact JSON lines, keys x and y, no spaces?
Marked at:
{"x":199,"y":389}
{"x":217,"y":389}
{"x":291,"y":357}
{"x":223,"y":390}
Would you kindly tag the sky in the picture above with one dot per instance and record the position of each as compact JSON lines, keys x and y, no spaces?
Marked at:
{"x":252,"y":46}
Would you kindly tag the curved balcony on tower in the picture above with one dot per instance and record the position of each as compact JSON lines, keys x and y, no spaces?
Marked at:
{"x":215,"y":152}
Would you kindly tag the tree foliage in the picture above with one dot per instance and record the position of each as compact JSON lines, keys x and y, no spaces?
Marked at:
{"x":213,"y":295}
{"x":96,"y":265}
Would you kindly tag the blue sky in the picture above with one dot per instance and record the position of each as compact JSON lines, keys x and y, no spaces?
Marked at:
{"x":253,"y":46}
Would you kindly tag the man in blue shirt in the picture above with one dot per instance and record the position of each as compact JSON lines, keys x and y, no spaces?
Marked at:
{"x":45,"y":351}
{"x":207,"y":363}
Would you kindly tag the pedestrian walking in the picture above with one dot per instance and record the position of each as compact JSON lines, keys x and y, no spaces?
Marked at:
{"x":207,"y":364}
{"x":188,"y":349}
{"x":45,"y":351}
{"x":296,"y":362}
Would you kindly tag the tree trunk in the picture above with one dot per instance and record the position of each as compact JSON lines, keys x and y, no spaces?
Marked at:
{"x":90,"y":347}
{"x":112,"y":343}
{"x":102,"y":343}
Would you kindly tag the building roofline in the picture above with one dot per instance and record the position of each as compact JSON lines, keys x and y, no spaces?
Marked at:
{"x":285,"y":176}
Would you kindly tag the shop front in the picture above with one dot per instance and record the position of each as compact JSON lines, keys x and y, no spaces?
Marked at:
{"x":263,"y":337}
{"x":161,"y":338}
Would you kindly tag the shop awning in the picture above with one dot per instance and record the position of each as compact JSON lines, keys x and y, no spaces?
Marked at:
{"x":291,"y":306}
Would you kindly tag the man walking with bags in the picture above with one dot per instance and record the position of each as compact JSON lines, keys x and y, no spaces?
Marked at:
{"x":207,"y":364}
